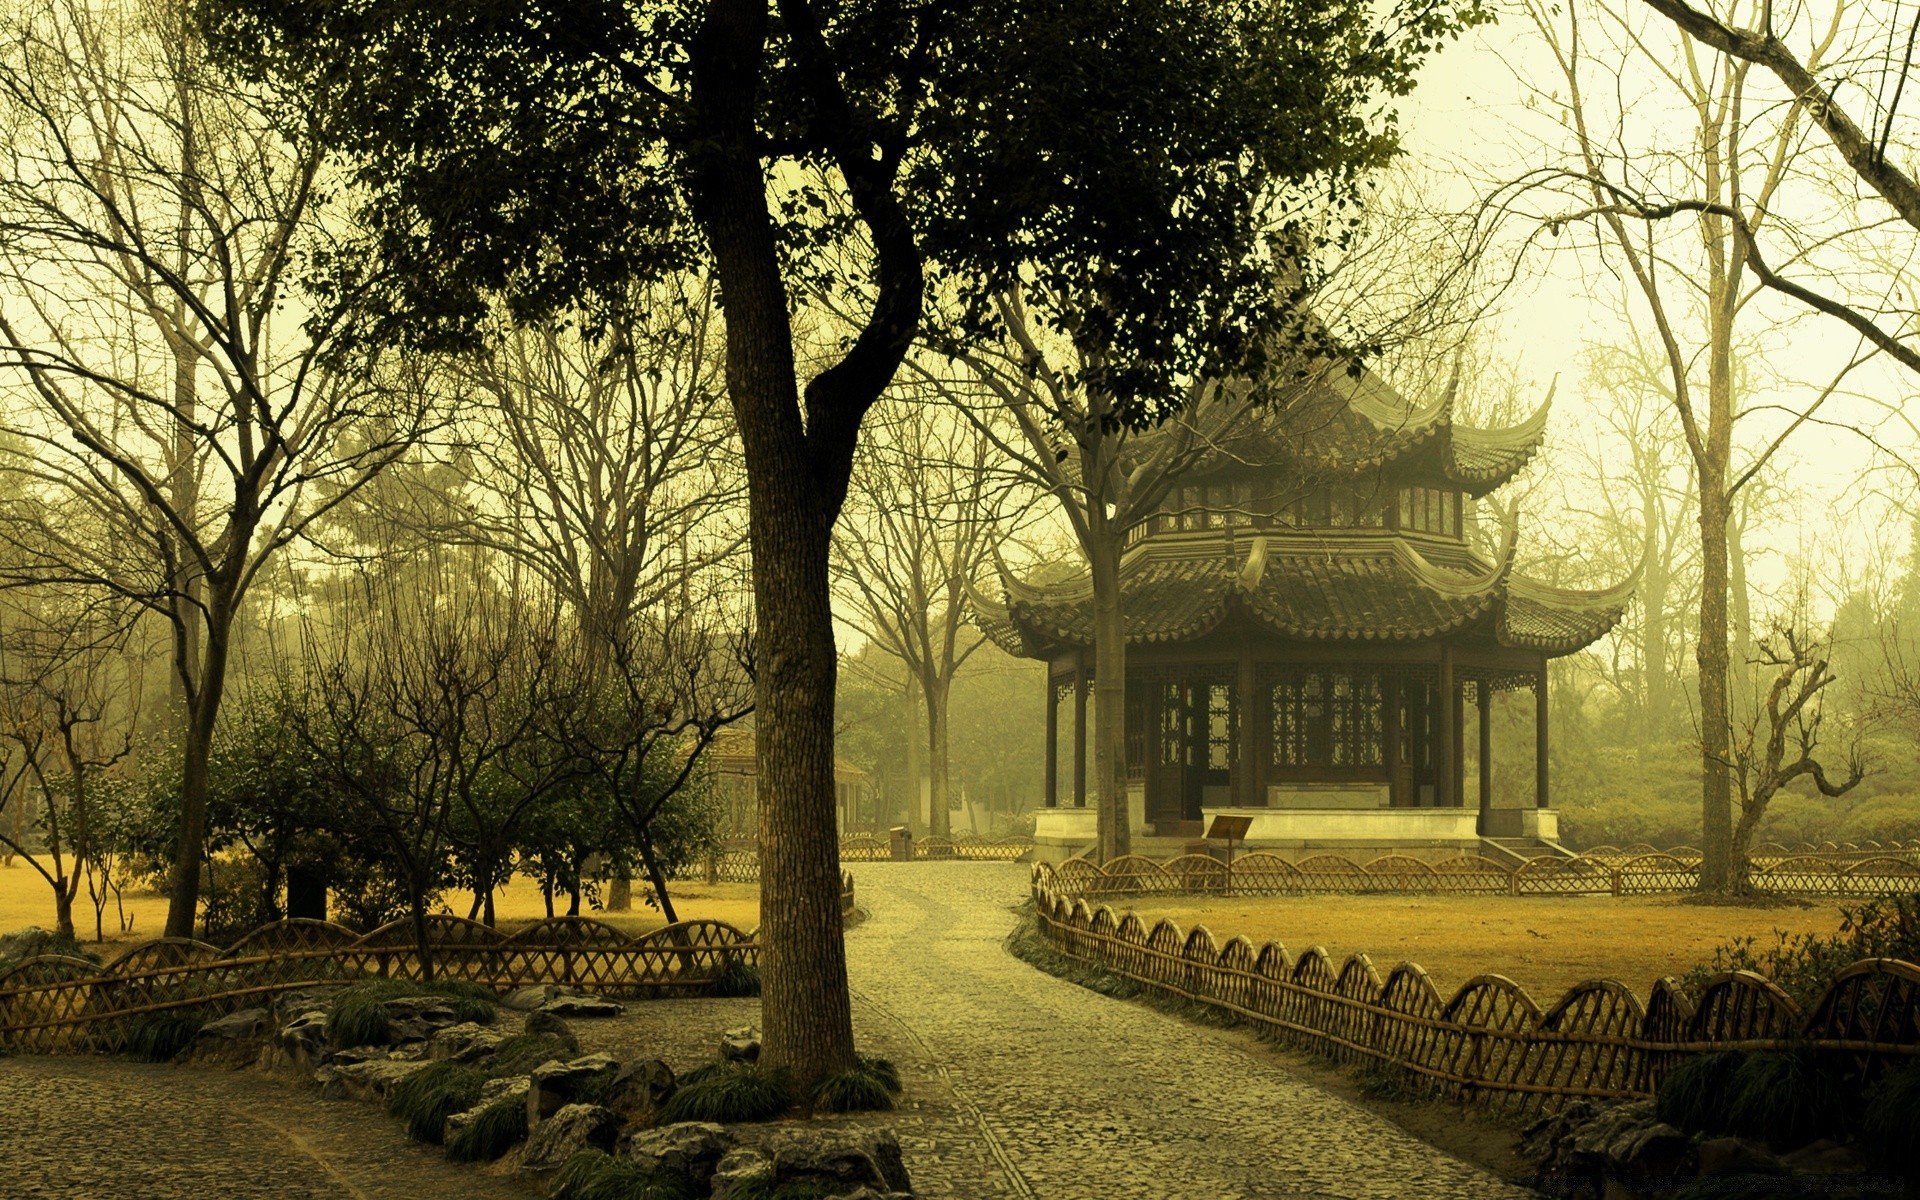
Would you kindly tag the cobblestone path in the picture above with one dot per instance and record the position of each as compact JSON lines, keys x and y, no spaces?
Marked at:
{"x":1080,"y":1097}
{"x":108,"y":1129}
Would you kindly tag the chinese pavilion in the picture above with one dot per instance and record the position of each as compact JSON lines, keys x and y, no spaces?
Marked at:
{"x":1309,"y":616}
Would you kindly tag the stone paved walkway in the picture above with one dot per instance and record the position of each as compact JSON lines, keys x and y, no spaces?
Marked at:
{"x":1086,"y":1098}
{"x":1019,"y":1086}
{"x":109,"y":1129}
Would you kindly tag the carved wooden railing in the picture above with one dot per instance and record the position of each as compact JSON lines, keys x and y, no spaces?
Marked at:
{"x":1490,"y":1042}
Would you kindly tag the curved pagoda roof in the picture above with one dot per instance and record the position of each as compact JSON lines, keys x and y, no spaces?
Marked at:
{"x":1310,"y":587}
{"x":1345,"y":420}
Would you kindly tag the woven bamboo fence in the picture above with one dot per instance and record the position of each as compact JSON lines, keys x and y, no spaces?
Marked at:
{"x":1642,"y":874}
{"x":56,"y":1003}
{"x":1491,"y":1042}
{"x":740,"y":863}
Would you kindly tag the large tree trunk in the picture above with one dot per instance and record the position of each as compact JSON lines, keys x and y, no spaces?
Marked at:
{"x":806,"y":1016}
{"x":916,"y":760}
{"x":1109,"y":691}
{"x":183,"y":882}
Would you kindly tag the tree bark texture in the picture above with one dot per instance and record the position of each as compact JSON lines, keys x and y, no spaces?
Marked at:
{"x":939,"y":816}
{"x":183,"y":881}
{"x":1114,"y":838}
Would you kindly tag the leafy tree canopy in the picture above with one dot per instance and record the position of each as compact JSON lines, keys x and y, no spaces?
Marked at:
{"x":1146,"y":157}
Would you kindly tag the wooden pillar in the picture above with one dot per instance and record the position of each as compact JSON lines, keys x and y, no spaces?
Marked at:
{"x":1250,"y":743}
{"x":1540,"y":738}
{"x":1459,"y":749}
{"x":1053,"y":742}
{"x":1080,"y":732}
{"x":1485,"y":695}
{"x":1446,"y":744}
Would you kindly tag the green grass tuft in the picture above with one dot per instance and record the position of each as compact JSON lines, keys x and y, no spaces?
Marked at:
{"x":762,"y":1187}
{"x":594,"y":1175}
{"x":499,"y":1127}
{"x":883,"y":1070}
{"x":359,"y":1015}
{"x":426,"y":1098}
{"x":1890,"y":1119}
{"x":853,"y":1090}
{"x":735,"y":978}
{"x":1694,"y":1094}
{"x":522,"y":1052}
{"x":733,"y":1092}
{"x":161,"y":1036}
{"x":1786,"y":1098}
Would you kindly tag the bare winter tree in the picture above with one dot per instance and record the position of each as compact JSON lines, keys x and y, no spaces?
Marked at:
{"x":176,"y":417}
{"x":1758,"y":35}
{"x":1781,"y":744}
{"x":1734,"y":168}
{"x":65,"y":720}
{"x":924,"y":514}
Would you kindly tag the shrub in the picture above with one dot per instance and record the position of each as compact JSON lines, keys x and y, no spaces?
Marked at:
{"x":426,"y":1098}
{"x":1785,"y":1097}
{"x":499,"y":1127}
{"x":1693,"y":1095}
{"x":594,"y":1175}
{"x":731,"y":1092}
{"x":1890,"y":1118}
{"x":1747,"y":1187}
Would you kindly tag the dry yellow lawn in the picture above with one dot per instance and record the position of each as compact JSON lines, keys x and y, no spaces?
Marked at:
{"x":26,"y":899}
{"x":1544,"y":943}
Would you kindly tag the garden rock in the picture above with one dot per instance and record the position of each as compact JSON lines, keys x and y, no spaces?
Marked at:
{"x":693,"y":1150}
{"x":373,"y":1080}
{"x":26,"y":943}
{"x":582,"y":1006}
{"x":1623,"y":1148}
{"x":641,"y":1089}
{"x":740,"y":1172}
{"x":417,"y":1018}
{"x":555,"y":1084}
{"x":534,"y":996}
{"x":290,"y":1006}
{"x":567,"y":1132}
{"x":551,"y":1025}
{"x":1824,"y":1157}
{"x":466,"y":1042}
{"x":237,"y":1038}
{"x":740,"y":1045}
{"x":302,"y":1041}
{"x":1736,"y":1156}
{"x":493,"y":1091}
{"x":845,"y":1157}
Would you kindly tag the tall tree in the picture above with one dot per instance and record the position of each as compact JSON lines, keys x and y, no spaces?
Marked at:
{"x":184,"y":422}
{"x":561,"y":152}
{"x":1733,"y":169}
{"x":924,"y":516}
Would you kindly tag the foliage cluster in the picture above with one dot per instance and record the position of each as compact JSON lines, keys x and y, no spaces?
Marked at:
{"x":359,"y":1013}
{"x":1803,"y":964}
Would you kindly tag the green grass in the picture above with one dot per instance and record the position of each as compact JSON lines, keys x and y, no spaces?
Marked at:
{"x":1890,"y":1119}
{"x":868,"y":1086}
{"x":160,"y":1036}
{"x":426,"y":1098}
{"x":735,"y":978}
{"x":1694,"y":1094}
{"x":499,"y":1127}
{"x":359,"y":1014}
{"x":593,"y":1175}
{"x":762,"y":1187}
{"x":729,"y":1093}
{"x":522,"y":1052}
{"x":1786,"y":1098}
